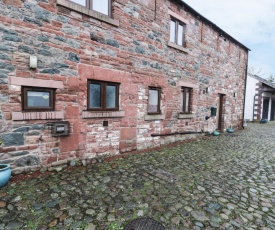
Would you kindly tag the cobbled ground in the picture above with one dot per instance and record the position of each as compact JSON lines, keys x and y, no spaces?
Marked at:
{"x":225,"y":182}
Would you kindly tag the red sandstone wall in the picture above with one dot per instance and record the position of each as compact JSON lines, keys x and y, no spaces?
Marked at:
{"x":135,"y":54}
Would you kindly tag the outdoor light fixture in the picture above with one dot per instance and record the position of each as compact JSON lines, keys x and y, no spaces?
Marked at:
{"x":213,"y":113}
{"x":33,"y":62}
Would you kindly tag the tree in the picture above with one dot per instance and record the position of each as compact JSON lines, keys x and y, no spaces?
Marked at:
{"x":271,"y":79}
{"x":256,"y":71}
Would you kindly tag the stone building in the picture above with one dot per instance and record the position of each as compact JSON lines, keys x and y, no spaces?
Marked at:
{"x":80,"y":81}
{"x":259,"y":99}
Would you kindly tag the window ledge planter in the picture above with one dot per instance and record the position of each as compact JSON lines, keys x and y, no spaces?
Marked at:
{"x":5,"y":174}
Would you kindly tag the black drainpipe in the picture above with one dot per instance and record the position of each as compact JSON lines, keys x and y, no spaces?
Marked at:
{"x":245,"y":90}
{"x":155,"y":9}
{"x":177,"y":133}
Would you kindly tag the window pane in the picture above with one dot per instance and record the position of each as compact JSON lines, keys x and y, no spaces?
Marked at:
{"x":38,"y":99}
{"x":187,"y":100}
{"x":101,"y":6}
{"x":180,"y":35}
{"x":153,"y":101}
{"x":95,"y":96}
{"x":172,"y":31}
{"x":110,"y":96}
{"x":80,"y":2}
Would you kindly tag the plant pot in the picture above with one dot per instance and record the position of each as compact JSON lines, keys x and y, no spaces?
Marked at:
{"x":5,"y":174}
{"x":230,"y":130}
{"x":263,"y":121}
{"x":216,"y":133}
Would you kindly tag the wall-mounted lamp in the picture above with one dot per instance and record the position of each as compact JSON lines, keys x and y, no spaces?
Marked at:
{"x":234,"y":94}
{"x":33,"y":62}
{"x":213,"y":113}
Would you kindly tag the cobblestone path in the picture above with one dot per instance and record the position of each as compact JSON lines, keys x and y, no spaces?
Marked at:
{"x":226,"y":182}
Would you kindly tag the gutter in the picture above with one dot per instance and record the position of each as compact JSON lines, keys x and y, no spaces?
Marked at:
{"x":178,"y":133}
{"x":211,"y":24}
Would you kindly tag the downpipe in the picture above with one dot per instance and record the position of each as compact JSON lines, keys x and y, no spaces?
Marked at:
{"x":178,"y":133}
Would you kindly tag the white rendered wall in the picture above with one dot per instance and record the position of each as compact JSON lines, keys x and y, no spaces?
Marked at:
{"x":249,"y":98}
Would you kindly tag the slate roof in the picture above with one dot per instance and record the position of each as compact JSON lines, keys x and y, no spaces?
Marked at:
{"x":266,"y":82}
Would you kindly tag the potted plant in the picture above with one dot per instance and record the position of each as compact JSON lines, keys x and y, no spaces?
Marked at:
{"x":5,"y":174}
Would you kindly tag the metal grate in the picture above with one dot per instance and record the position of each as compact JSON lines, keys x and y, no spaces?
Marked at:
{"x":144,"y":223}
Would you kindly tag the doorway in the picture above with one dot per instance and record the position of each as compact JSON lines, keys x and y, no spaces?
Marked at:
{"x":272,"y":115}
{"x":265,"y":108}
{"x":220,"y":112}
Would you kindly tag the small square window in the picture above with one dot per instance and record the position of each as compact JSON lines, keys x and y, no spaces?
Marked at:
{"x":186,"y":100}
{"x":154,"y":101}
{"x":38,"y":99}
{"x":103,"y":95}
{"x":101,"y":6}
{"x":177,"y":32}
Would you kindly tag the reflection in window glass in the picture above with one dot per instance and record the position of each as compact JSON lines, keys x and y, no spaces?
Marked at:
{"x":153,"y":102}
{"x":38,"y":99}
{"x":101,"y":6}
{"x":172,"y":31}
{"x":80,"y":2}
{"x":95,"y":96}
{"x":180,"y":35}
{"x":110,"y":96}
{"x":186,"y":100}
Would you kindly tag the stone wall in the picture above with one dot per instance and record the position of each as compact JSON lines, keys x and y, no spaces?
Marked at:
{"x":132,"y":48}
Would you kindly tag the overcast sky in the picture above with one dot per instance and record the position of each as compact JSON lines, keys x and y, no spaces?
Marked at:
{"x":251,"y":22}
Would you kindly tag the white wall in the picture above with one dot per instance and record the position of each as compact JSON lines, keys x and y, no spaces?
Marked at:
{"x":249,"y":98}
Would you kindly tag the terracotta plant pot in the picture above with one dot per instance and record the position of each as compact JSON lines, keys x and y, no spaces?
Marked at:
{"x":5,"y":174}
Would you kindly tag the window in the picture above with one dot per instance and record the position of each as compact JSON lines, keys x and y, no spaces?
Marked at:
{"x":103,"y":95}
{"x":177,"y":32}
{"x":38,"y":99}
{"x":101,"y":6}
{"x":186,"y":98}
{"x":154,"y":101}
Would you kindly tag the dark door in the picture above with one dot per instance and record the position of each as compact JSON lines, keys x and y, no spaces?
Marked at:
{"x":265,"y":108}
{"x":220,"y":112}
{"x":272,"y":118}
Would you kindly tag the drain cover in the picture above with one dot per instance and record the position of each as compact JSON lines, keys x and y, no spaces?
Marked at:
{"x":145,"y":223}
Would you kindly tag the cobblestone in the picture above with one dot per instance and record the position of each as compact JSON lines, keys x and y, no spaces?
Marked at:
{"x":225,"y":182}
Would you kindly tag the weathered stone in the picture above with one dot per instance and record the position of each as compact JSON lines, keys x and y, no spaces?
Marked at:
{"x":73,"y":57}
{"x":112,"y":42}
{"x":33,"y":21}
{"x":28,"y":161}
{"x":200,"y":216}
{"x":140,"y":50}
{"x":51,"y":71}
{"x":10,"y":139}
{"x":23,"y":129}
{"x":43,"y":38}
{"x":6,"y":66}
{"x":11,"y":37}
{"x":25,"y":49}
{"x":45,"y":53}
{"x":21,"y":153}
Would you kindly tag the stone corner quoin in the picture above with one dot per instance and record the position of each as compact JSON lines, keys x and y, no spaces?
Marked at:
{"x":130,"y":54}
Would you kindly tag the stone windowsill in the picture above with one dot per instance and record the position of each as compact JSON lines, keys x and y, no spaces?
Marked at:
{"x":51,"y":115}
{"x":84,"y":10}
{"x":152,"y":117}
{"x":175,"y":46}
{"x":186,"y":115}
{"x":111,"y":114}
